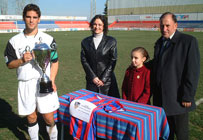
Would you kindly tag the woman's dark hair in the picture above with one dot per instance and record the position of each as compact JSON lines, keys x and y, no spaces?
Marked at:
{"x":31,"y":7}
{"x":143,"y":51}
{"x":168,"y":13}
{"x":103,"y":19}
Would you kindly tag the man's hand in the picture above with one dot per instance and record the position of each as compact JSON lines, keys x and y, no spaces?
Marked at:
{"x":186,"y":104}
{"x":54,"y":86}
{"x":27,"y":56}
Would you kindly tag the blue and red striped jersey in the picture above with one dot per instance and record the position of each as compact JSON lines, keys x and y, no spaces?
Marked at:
{"x":81,"y":130}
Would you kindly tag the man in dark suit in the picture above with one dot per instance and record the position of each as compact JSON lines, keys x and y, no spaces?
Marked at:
{"x":176,"y":68}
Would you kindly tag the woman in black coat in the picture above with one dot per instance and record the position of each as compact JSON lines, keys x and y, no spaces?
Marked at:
{"x":98,"y":58}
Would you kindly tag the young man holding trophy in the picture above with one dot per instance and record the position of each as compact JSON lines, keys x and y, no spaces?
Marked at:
{"x":33,"y":54}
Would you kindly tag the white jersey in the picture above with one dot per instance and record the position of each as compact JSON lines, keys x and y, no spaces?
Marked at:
{"x":18,"y":43}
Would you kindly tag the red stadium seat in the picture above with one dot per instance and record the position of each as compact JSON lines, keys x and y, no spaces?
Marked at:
{"x":134,"y":24}
{"x":72,"y":24}
{"x":6,"y":25}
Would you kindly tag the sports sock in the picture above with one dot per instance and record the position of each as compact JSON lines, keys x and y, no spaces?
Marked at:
{"x":52,"y":131}
{"x":33,"y":130}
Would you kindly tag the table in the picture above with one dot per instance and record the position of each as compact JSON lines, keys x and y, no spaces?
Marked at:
{"x":137,"y":122}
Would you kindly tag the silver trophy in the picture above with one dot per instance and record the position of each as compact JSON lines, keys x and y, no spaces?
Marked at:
{"x":42,"y":57}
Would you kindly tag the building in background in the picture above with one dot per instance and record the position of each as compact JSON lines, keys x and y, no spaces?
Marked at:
{"x":188,"y":12}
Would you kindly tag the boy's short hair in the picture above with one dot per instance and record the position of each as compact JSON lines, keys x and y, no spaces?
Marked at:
{"x":31,"y":7}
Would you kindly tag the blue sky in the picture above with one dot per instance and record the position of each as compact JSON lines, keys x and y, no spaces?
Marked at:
{"x":69,"y":7}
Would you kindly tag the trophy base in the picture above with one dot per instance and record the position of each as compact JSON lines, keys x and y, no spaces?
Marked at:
{"x":46,"y":87}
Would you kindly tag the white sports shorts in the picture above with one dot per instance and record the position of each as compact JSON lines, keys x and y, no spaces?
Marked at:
{"x":29,"y":99}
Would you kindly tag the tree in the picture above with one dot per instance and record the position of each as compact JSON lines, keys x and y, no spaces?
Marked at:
{"x":106,"y":9}
{"x":20,"y":4}
{"x":4,"y":7}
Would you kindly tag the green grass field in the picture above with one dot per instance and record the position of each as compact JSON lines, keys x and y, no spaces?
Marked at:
{"x":71,"y":76}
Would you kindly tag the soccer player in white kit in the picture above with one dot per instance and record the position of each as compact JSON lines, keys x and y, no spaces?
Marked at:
{"x":18,"y":55}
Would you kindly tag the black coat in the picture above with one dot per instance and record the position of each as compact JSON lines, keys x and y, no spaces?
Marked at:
{"x":100,"y":63}
{"x":176,"y":73}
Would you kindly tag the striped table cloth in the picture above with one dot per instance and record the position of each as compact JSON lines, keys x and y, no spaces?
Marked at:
{"x":137,"y":122}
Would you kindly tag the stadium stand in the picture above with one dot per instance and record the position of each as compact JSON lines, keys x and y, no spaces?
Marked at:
{"x":154,"y":24}
{"x":144,"y":14}
{"x":190,"y":24}
{"x":134,"y":24}
{"x":49,"y":25}
{"x":7,"y":25}
{"x":57,"y":24}
{"x":14,"y":23}
{"x":41,"y":25}
{"x":72,"y":24}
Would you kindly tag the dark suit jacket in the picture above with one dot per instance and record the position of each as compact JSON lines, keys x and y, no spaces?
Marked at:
{"x":100,"y":63}
{"x":176,"y":73}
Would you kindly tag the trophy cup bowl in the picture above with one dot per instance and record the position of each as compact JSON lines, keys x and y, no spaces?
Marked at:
{"x":42,"y":54}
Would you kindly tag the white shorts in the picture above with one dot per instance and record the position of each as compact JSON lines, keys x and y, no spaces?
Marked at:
{"x":29,"y":99}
